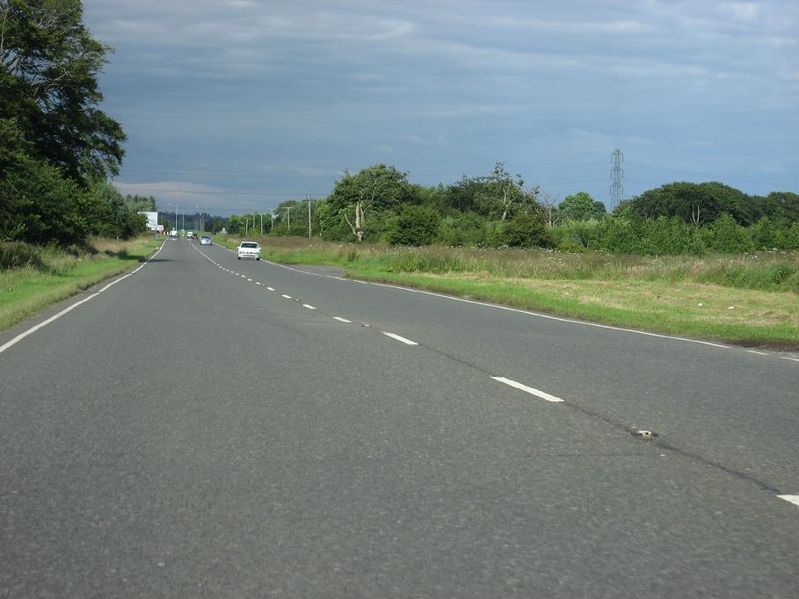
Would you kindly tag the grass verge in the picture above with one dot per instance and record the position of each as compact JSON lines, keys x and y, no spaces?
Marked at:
{"x":750,"y":300}
{"x":27,"y":291}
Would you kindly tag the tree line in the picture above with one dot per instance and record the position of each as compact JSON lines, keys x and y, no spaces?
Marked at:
{"x":380,"y":204}
{"x":57,"y":148}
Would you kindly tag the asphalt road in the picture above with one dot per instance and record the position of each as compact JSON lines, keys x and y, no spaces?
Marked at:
{"x":211,"y":427}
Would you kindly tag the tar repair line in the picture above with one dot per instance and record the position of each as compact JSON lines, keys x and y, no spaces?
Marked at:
{"x":68,"y":309}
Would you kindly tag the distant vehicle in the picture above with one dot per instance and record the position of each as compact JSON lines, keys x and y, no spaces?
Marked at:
{"x":190,"y":234}
{"x":174,"y":234}
{"x":248,"y":249}
{"x":205,"y":240}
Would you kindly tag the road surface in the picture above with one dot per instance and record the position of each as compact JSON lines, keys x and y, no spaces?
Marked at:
{"x":210,"y":427}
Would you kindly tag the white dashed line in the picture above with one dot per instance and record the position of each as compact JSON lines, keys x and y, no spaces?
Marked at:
{"x":250,"y":280}
{"x":309,"y":306}
{"x":341,"y":319}
{"x":398,"y":338}
{"x":794,"y":499}
{"x":270,"y":288}
{"x":286,"y":296}
{"x":526,"y":389}
{"x":257,"y":283}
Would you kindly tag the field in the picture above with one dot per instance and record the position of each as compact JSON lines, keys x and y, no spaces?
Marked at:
{"x":751,"y":299}
{"x":53,"y":275}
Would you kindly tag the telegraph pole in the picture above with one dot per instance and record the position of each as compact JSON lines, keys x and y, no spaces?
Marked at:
{"x":288,"y":212}
{"x":262,"y":223}
{"x":309,"y":216}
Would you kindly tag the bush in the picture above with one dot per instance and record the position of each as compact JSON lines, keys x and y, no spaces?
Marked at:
{"x":415,"y":225}
{"x":15,"y":254}
{"x":527,"y":231}
{"x":464,"y":229}
{"x":726,"y":236}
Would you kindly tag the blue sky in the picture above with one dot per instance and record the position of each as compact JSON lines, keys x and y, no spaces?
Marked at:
{"x":236,"y":105}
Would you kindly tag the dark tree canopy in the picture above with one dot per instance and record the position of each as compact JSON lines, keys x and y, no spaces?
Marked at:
{"x":48,"y":88}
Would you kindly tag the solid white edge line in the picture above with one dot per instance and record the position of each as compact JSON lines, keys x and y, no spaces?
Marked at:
{"x":508,"y":308}
{"x":794,"y":499}
{"x":398,"y":338}
{"x":44,"y":323}
{"x":68,"y":309}
{"x":526,"y":389}
{"x":549,"y":317}
{"x":341,"y":319}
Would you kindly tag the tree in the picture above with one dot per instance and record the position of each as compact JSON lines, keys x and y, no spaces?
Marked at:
{"x":494,"y":196}
{"x":378,"y":187}
{"x":505,"y":190}
{"x":48,"y":85}
{"x":550,"y":205}
{"x":581,"y":206}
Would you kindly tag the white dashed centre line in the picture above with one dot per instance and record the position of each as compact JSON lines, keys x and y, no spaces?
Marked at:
{"x":794,"y":499}
{"x":271,"y":288}
{"x":310,"y":307}
{"x":401,"y":339}
{"x":526,"y":389}
{"x":286,"y":296}
{"x":257,"y":283}
{"x":341,"y":319}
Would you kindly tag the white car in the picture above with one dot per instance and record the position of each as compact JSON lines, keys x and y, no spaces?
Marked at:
{"x":205,"y":240}
{"x":248,"y":249}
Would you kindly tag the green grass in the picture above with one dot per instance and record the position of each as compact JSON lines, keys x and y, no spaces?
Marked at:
{"x":749,"y":299}
{"x":27,"y":291}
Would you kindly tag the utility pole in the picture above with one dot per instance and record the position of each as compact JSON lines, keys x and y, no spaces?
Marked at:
{"x":288,"y":212}
{"x":246,"y":226}
{"x":272,"y":224}
{"x":262,"y":223}
{"x":309,"y":215}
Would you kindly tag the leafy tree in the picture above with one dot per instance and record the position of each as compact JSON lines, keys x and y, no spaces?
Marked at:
{"x":494,"y":196}
{"x":139,"y":203}
{"x":581,"y":206}
{"x":40,"y":206}
{"x":48,"y":78}
{"x":688,"y":201}
{"x":110,"y":215}
{"x":376,"y":188}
